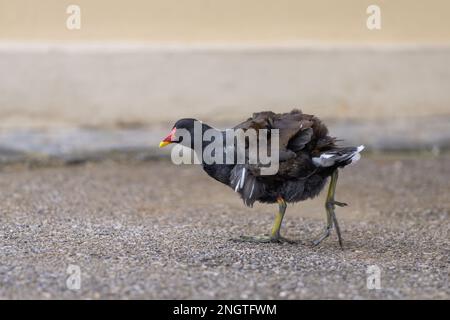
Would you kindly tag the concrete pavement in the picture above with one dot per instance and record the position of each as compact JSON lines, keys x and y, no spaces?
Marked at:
{"x":156,"y":230}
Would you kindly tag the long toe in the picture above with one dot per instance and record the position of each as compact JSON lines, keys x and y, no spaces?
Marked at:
{"x":340,"y":204}
{"x":262,"y":239}
{"x":322,"y":237}
{"x":285,"y":240}
{"x":257,"y":239}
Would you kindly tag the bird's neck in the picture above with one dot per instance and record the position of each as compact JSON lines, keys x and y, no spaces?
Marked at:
{"x":217,"y":171}
{"x":197,"y":137}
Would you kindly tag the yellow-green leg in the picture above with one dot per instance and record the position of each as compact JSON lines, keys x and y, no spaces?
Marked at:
{"x":331,"y":215}
{"x":275,"y":235}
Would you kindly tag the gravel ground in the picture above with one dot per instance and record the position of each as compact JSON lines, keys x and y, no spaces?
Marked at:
{"x":155,"y":230}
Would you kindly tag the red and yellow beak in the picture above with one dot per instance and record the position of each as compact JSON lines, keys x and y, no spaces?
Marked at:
{"x":169,"y":139}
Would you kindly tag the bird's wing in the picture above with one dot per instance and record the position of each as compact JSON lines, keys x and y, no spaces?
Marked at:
{"x":296,"y":130}
{"x":300,"y":135}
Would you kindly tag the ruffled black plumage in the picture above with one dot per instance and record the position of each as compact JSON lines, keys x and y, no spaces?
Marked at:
{"x":307,"y":157}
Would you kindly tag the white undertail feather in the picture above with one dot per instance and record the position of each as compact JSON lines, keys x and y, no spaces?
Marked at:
{"x":329,"y":159}
{"x":355,"y":157}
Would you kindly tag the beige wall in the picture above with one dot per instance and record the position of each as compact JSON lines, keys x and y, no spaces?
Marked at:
{"x":56,"y":77}
{"x":107,"y":85}
{"x":267,"y":21}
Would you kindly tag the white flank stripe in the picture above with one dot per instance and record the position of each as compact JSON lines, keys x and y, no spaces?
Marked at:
{"x":242,"y":180}
{"x":237,"y":186}
{"x":253,"y":187}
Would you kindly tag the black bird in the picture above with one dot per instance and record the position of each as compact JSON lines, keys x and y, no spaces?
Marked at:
{"x":307,"y":157}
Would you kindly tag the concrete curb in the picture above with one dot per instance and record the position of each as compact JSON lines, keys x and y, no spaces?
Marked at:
{"x":107,"y":84}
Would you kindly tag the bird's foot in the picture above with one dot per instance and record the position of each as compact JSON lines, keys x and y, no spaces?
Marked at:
{"x":263,"y":239}
{"x":325,"y":235}
{"x":339,"y":204}
{"x":322,"y":237}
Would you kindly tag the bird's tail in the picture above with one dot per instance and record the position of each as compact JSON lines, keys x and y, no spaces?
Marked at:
{"x":338,"y":157}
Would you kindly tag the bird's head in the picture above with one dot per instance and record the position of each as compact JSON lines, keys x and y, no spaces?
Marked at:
{"x":182,"y":124}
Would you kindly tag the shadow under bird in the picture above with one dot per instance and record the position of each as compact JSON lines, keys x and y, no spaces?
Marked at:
{"x":308,"y":156}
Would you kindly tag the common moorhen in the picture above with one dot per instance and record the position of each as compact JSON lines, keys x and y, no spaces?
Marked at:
{"x":307,"y":157}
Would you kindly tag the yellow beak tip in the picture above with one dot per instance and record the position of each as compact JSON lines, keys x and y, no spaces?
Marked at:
{"x":163,"y":144}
